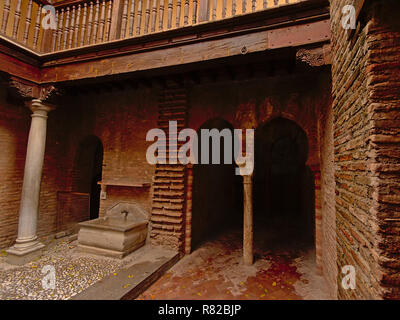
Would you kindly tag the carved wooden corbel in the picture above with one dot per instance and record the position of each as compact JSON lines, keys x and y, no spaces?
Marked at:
{"x":29,"y":91}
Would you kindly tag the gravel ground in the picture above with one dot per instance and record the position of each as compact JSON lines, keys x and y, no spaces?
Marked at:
{"x":75,"y":271}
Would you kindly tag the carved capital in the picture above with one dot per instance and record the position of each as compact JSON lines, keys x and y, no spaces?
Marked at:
{"x":32,"y":91}
{"x":315,"y":57}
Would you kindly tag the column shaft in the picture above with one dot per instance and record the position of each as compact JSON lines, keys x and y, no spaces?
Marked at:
{"x":26,"y":242}
{"x":248,"y":255}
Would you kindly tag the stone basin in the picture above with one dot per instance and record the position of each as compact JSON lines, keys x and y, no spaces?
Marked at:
{"x":120,"y":232}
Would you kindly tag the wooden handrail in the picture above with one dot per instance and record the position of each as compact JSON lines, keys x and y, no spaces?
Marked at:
{"x":82,"y":23}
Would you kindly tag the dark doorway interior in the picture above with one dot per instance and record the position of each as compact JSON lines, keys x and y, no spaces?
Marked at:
{"x":217,"y":192}
{"x":283,"y":184}
{"x":88,"y":171}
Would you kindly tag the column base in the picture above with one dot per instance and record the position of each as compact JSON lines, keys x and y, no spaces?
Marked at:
{"x":20,"y":255}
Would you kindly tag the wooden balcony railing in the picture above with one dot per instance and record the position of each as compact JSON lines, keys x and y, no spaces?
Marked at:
{"x":87,"y":22}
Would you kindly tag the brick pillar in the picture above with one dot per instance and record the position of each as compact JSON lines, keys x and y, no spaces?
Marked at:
{"x":318,"y":217}
{"x":27,"y":247}
{"x":168,"y":208}
{"x":189,"y":203}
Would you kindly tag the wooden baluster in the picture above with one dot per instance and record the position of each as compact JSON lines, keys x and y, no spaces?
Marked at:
{"x":17,"y":17}
{"x":66,"y":28}
{"x":186,"y":14}
{"x":28,"y":20}
{"x":178,"y":13}
{"x":265,"y":4}
{"x":6,"y":13}
{"x":124,"y":19}
{"x":214,"y":10}
{"x":161,"y":16}
{"x":253,"y":5}
{"x":102,"y":21}
{"x":223,"y":8}
{"x":83,"y":29}
{"x":244,"y":3}
{"x":90,"y":24}
{"x":154,"y":16}
{"x":139,"y":17}
{"x":194,"y":15}
{"x":55,"y":33}
{"x":132,"y":18}
{"x":37,"y":27}
{"x":233,"y":8}
{"x":59,"y":30}
{"x":147,"y":17}
{"x":77,"y":25}
{"x":96,"y":22}
{"x":108,"y":23}
{"x":71,"y":28}
{"x":170,"y":7}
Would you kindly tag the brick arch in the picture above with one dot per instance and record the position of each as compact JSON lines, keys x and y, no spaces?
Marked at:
{"x":283,"y":183}
{"x":215,"y":188}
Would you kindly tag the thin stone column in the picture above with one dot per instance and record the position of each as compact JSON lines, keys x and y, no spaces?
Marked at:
{"x":248,"y":255}
{"x":27,"y":246}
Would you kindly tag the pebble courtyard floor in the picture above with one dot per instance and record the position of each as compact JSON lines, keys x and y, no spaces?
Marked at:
{"x":75,"y":272}
{"x":215,"y":271}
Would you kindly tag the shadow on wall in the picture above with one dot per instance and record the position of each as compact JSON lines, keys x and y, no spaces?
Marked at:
{"x":283,"y":183}
{"x":217,"y":192}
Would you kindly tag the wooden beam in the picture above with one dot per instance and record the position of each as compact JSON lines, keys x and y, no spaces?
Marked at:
{"x":141,"y":60}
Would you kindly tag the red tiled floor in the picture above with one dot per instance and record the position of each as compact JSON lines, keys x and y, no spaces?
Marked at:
{"x":215,"y":271}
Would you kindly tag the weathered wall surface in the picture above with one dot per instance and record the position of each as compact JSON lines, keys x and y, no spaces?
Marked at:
{"x":14,"y":126}
{"x":365,"y":104}
{"x":14,"y":129}
{"x":121,"y":119}
{"x":328,"y":223}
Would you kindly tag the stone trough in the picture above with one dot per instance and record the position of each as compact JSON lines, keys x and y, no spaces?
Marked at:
{"x":121,"y":231}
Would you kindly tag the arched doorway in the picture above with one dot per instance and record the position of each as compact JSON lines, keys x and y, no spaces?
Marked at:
{"x":88,"y":171}
{"x":217,"y":191}
{"x":283,"y":184}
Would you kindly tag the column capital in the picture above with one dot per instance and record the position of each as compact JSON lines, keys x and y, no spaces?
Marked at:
{"x":39,"y":108}
{"x":244,"y":172}
{"x":28,"y":90}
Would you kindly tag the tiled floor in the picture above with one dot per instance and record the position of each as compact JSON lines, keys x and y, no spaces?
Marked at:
{"x":215,"y":271}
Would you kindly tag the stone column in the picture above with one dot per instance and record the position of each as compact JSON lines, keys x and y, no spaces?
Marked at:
{"x":27,"y":247}
{"x":248,"y":255}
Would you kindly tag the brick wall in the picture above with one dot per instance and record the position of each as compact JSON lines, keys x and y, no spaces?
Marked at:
{"x":120,"y":118}
{"x":365,"y":105}
{"x":14,"y":126}
{"x":14,"y":129}
{"x":327,"y":197}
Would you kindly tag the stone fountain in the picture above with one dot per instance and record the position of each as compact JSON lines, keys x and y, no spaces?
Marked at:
{"x":121,"y":231}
